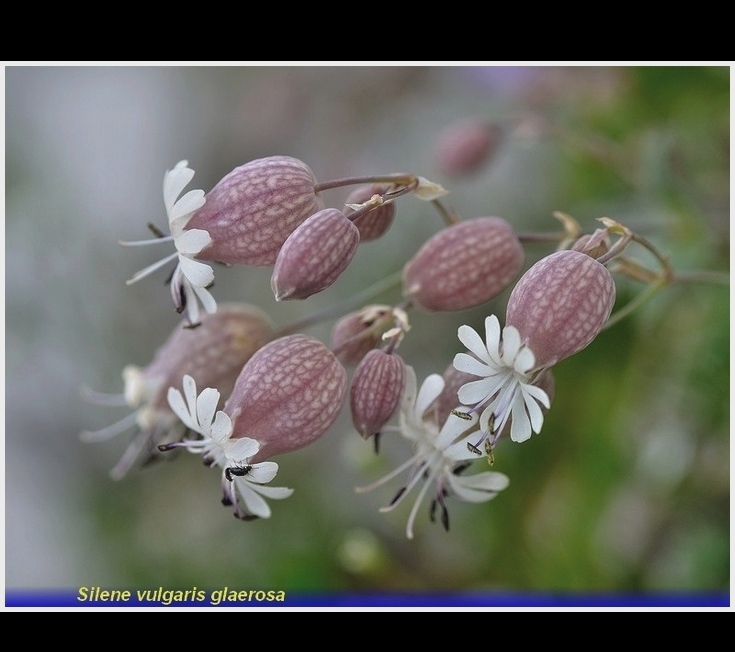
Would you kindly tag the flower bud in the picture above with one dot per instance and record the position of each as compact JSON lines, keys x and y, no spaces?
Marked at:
{"x":594,"y":245}
{"x":253,"y":209}
{"x":359,"y":332}
{"x":376,"y":391}
{"x":314,"y":255}
{"x":287,"y":395}
{"x":464,"y":265}
{"x":560,"y":305}
{"x":213,"y":353}
{"x":464,"y":146}
{"x":377,"y":221}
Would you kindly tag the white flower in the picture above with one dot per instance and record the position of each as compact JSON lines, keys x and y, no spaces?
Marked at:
{"x":506,"y":390}
{"x":191,"y":277}
{"x":153,"y":426}
{"x":219,"y":449}
{"x":440,"y":455}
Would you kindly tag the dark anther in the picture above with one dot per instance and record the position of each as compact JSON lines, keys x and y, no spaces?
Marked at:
{"x":166,"y":447}
{"x":246,"y":517}
{"x":460,"y":468}
{"x":193,"y":326}
{"x":376,"y":442}
{"x":432,"y":511}
{"x":462,"y":415}
{"x":401,"y":491}
{"x":238,"y":471}
{"x":156,"y":231}
{"x":226,"y":501}
{"x":473,"y":449}
{"x":445,"y":517}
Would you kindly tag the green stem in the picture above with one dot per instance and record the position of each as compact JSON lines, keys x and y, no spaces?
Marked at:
{"x":397,"y":179}
{"x":342,"y":308}
{"x":633,"y":305}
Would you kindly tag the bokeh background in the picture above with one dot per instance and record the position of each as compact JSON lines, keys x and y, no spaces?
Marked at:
{"x":625,"y":490}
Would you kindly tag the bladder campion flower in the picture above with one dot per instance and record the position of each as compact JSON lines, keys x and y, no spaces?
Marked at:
{"x":241,"y":480}
{"x":506,"y":390}
{"x":212,"y":354}
{"x":191,"y":277}
{"x":441,"y":455}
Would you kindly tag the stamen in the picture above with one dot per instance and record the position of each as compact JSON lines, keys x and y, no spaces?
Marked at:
{"x":395,"y":472}
{"x":467,"y":416}
{"x":460,"y":468}
{"x":156,"y":231}
{"x":151,"y":268}
{"x":100,"y":398}
{"x":397,"y":497}
{"x":110,"y":431}
{"x":130,"y":455}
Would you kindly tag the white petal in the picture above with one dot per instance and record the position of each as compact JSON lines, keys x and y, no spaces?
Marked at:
{"x":276,"y":493}
{"x":453,"y":428}
{"x":221,"y":428}
{"x":477,"y":391}
{"x":492,"y":338}
{"x":409,"y":392}
{"x":478,"y":488}
{"x":263,"y":472}
{"x":524,"y":360}
{"x":198,"y":274}
{"x":534,"y":412}
{"x":193,"y":241}
{"x":206,"y":407}
{"x":208,"y":302}
{"x":190,"y":393}
{"x":539,"y":394}
{"x":470,"y":338}
{"x":430,"y":390}
{"x":177,"y":404}
{"x":190,"y":202}
{"x":471,"y":365}
{"x":174,"y":182}
{"x":192,"y":305}
{"x":511,"y":344}
{"x":520,"y":428}
{"x":241,"y":449}
{"x":253,"y":502}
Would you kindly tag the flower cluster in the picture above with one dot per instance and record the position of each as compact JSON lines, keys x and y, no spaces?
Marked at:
{"x":268,"y":390}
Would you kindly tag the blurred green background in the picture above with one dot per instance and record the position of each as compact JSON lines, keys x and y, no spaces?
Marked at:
{"x":625,"y":490}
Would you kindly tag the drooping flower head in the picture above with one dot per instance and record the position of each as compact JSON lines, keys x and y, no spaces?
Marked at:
{"x":286,"y":397}
{"x":560,"y":305}
{"x":213,"y":354}
{"x":376,"y":391}
{"x":464,"y":265}
{"x":506,"y":388}
{"x":464,"y":146}
{"x":314,"y":255}
{"x":440,"y":455}
{"x":254,"y":208}
{"x":242,"y":481}
{"x":555,"y":310}
{"x":191,"y":277}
